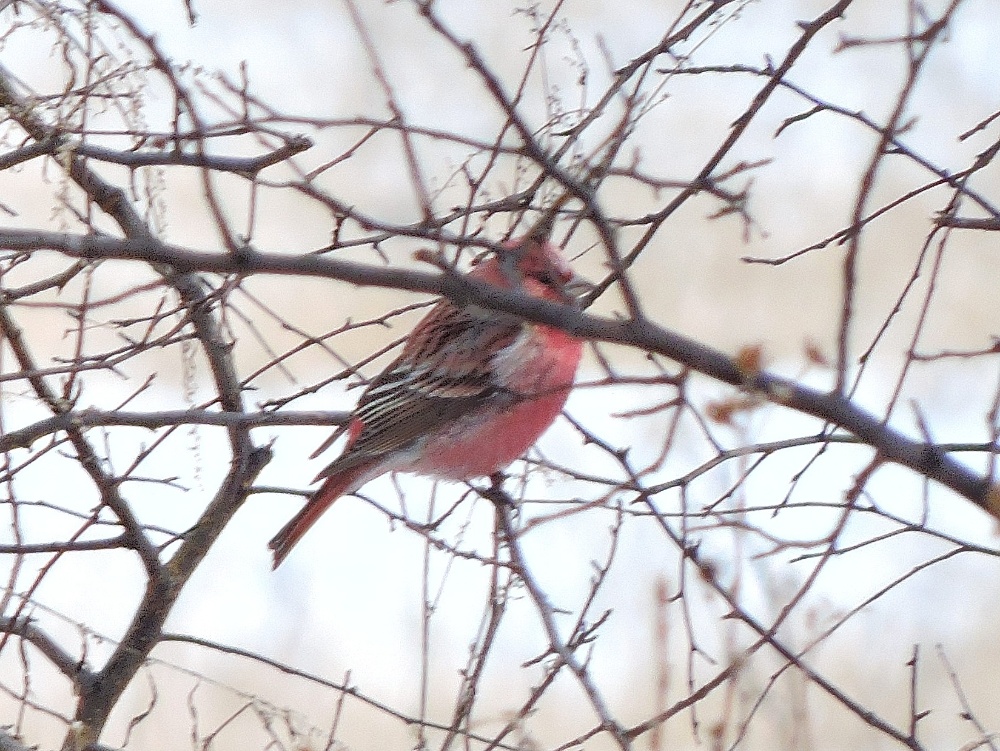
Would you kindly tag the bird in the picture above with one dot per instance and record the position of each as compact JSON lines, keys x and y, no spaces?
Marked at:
{"x":470,"y":392}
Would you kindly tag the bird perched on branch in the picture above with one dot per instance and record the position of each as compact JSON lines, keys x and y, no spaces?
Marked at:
{"x":471,"y":391}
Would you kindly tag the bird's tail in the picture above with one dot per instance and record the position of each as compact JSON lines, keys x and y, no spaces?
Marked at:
{"x":334,"y":487}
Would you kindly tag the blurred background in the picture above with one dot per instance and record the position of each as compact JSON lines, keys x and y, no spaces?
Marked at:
{"x":891,"y":607}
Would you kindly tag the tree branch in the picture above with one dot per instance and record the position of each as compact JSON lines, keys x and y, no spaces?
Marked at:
{"x":249,"y":166}
{"x":922,"y":457}
{"x":161,"y":593}
{"x":24,"y":437}
{"x":71,"y":667}
{"x":958,"y":222}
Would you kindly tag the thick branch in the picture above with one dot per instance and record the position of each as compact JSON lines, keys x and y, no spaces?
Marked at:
{"x":10,"y":743}
{"x":164,"y":582}
{"x":958,"y":222}
{"x":161,"y":593}
{"x":919,"y":456}
{"x":244,"y":165}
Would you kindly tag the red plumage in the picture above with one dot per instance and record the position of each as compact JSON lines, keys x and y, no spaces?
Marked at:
{"x":471,"y":391}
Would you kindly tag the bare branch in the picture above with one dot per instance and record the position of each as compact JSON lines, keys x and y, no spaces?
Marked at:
{"x":24,"y":437}
{"x":71,"y":667}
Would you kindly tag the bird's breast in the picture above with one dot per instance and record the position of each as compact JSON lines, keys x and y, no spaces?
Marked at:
{"x":533,"y":378}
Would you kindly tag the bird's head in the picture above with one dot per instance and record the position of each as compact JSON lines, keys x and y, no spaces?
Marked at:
{"x":537,"y":265}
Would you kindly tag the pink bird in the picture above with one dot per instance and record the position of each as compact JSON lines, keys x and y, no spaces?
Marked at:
{"x":471,"y":391}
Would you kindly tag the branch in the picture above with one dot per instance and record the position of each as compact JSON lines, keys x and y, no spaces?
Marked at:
{"x":958,"y":222}
{"x":344,"y":688}
{"x":945,"y":177}
{"x":923,"y":458}
{"x":546,"y":613}
{"x":162,"y":591}
{"x":739,"y":126}
{"x":164,"y":583}
{"x":9,"y":742}
{"x":67,"y":664}
{"x":63,"y":546}
{"x":88,"y":458}
{"x":249,"y":166}
{"x":24,"y":437}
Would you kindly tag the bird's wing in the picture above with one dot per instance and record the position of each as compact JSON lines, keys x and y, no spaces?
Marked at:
{"x":446,"y":370}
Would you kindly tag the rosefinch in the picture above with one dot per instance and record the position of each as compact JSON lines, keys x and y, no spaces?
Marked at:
{"x":471,"y":391}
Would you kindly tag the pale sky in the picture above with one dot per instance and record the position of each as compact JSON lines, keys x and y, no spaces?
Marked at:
{"x":349,"y":597}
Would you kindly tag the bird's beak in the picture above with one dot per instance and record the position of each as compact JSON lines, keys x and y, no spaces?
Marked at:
{"x":576,"y":290}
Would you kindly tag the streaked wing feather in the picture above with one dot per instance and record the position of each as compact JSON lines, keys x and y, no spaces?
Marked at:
{"x":445,"y":371}
{"x":329,"y":441}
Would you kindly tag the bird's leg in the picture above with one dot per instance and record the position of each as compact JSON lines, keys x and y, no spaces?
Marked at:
{"x":495,"y":491}
{"x":503,"y":505}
